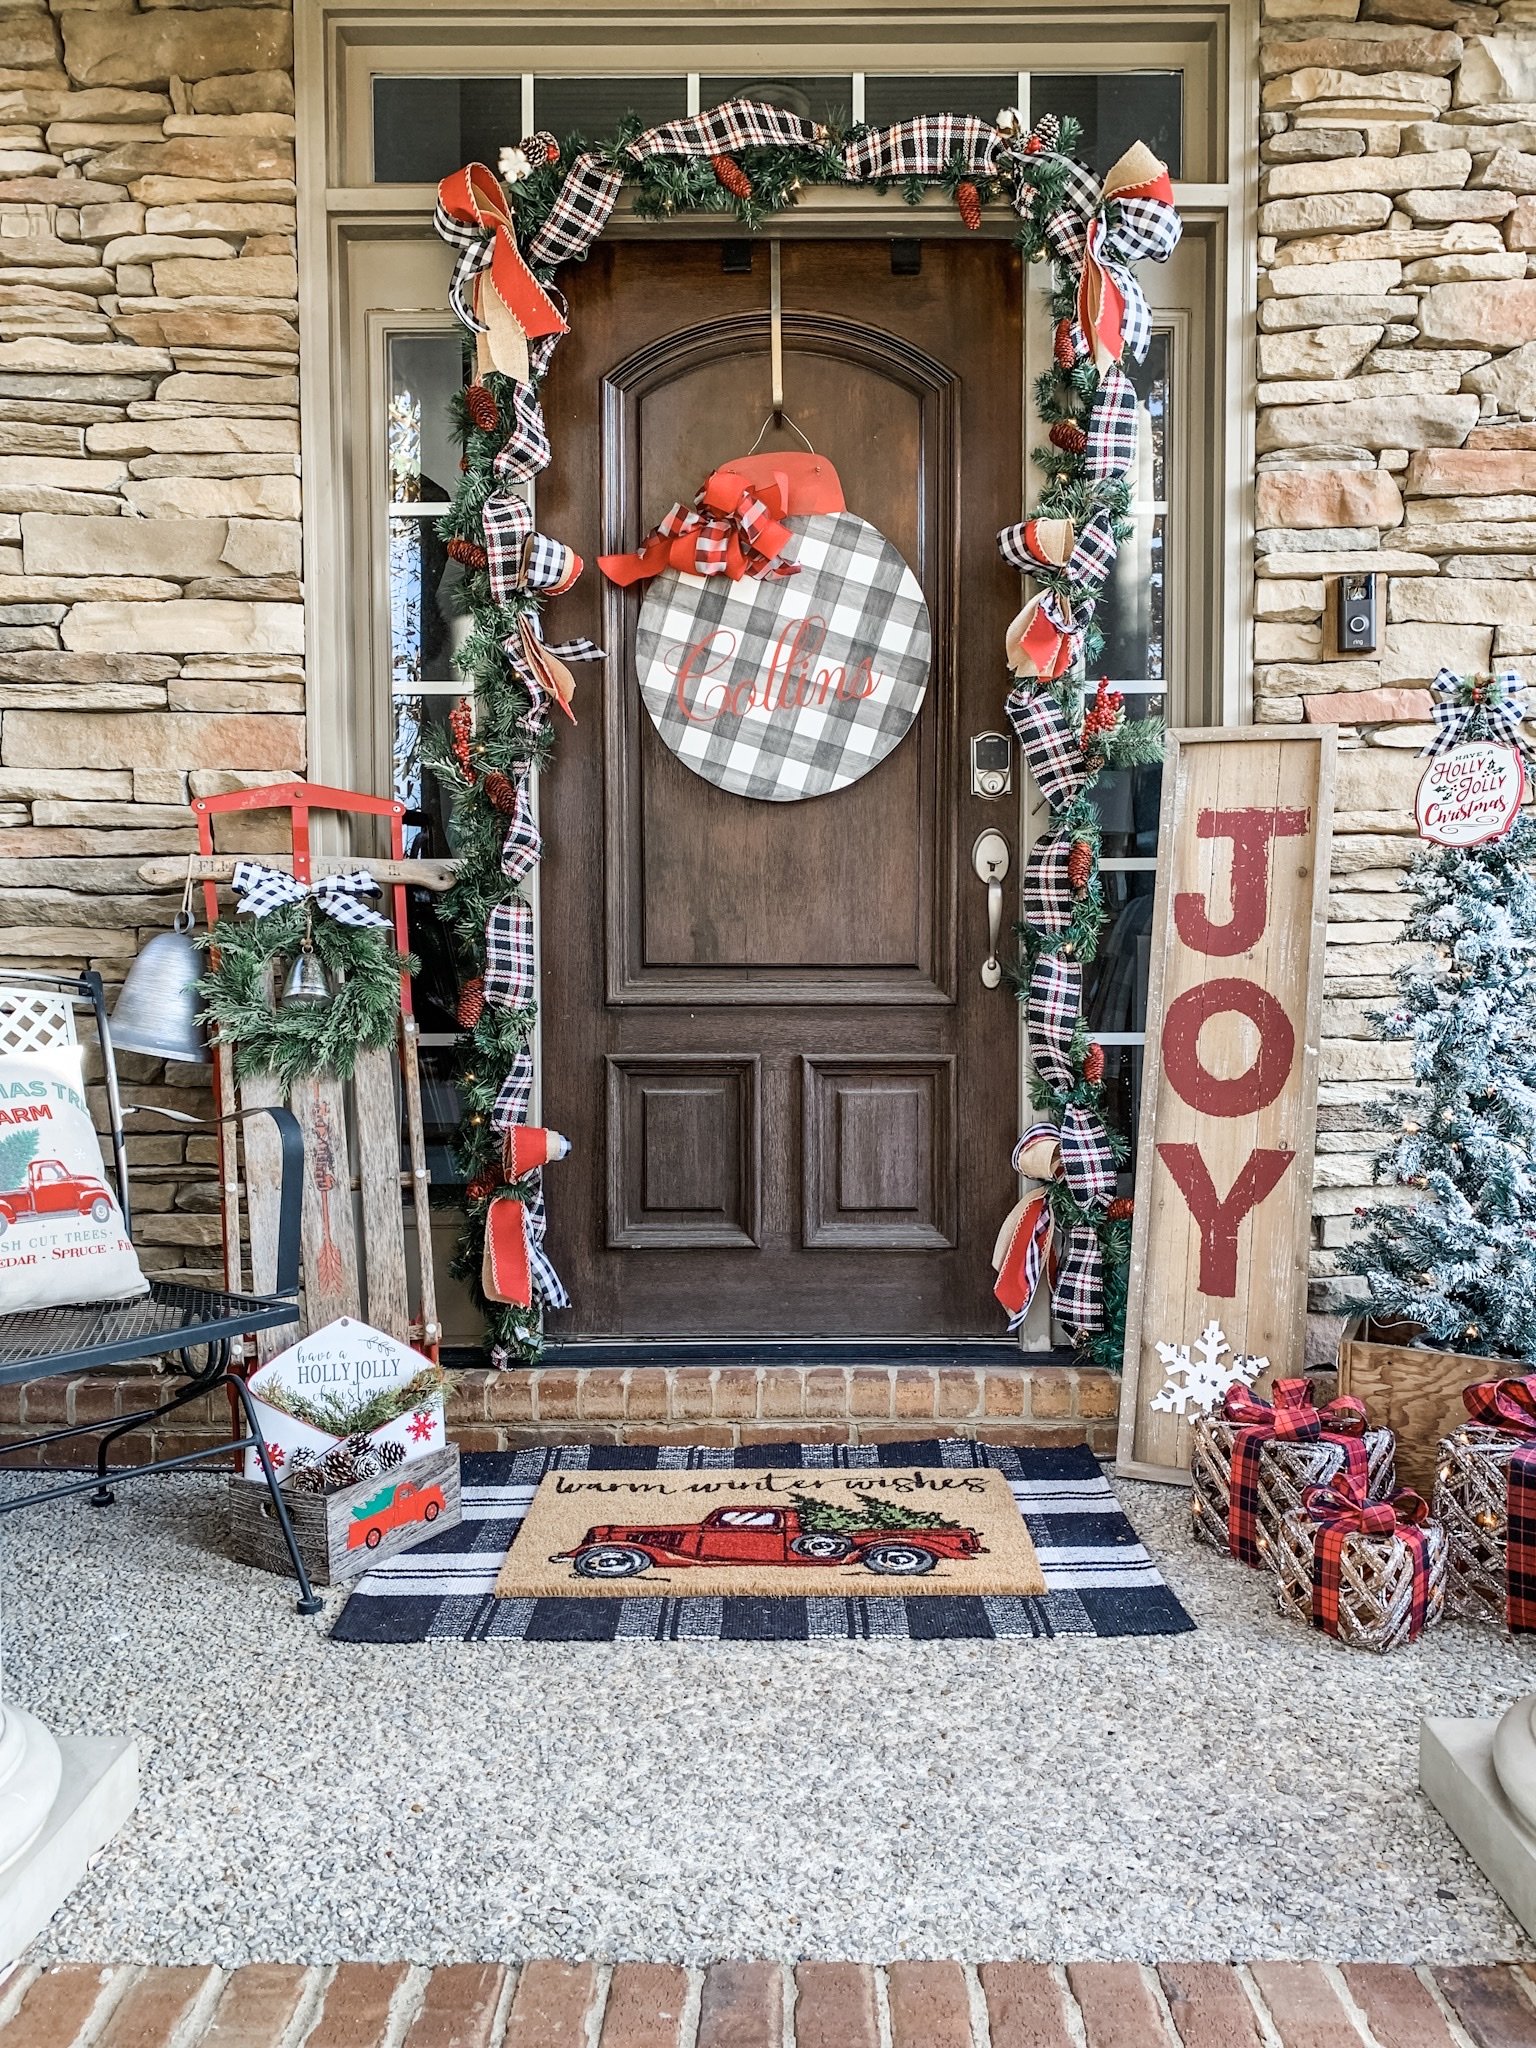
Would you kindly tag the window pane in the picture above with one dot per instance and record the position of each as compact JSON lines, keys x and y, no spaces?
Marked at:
{"x":828,"y":99}
{"x":594,"y":107}
{"x":423,"y":128}
{"x":1132,"y":611}
{"x":426,"y":623}
{"x":1115,"y":983}
{"x":1127,"y":799}
{"x":887,"y":100}
{"x":440,"y":1106}
{"x":428,"y":824}
{"x":425,"y":370}
{"x":1117,"y":108}
{"x":1123,"y":1067}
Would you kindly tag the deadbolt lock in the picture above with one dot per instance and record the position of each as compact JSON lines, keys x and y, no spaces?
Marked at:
{"x":991,"y":764}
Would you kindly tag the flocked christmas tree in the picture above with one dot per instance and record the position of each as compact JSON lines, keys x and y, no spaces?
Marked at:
{"x":1460,"y":1261}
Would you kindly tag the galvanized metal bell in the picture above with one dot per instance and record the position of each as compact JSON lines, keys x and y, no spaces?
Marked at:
{"x":308,"y":986}
{"x":157,"y":1006}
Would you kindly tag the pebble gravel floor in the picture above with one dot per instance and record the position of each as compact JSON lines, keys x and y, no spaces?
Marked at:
{"x":1245,"y":1791}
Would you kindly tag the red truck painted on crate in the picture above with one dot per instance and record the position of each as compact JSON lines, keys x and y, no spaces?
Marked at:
{"x":759,"y":1536}
{"x":392,"y":1509}
{"x":50,"y":1189}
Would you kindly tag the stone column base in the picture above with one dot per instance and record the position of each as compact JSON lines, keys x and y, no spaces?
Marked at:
{"x":97,"y":1791}
{"x":1457,"y":1775}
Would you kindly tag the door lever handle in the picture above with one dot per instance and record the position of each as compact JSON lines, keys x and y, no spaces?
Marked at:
{"x":989,"y":858}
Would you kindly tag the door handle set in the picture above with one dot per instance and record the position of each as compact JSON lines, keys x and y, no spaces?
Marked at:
{"x":990,"y":860}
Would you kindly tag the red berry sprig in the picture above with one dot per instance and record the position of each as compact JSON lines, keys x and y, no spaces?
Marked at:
{"x":968,"y":200}
{"x":731,"y":176}
{"x":1120,"y":1209}
{"x":1104,"y":713}
{"x":481,"y":407}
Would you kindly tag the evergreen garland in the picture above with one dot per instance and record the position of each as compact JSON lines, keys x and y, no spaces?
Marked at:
{"x":322,"y":1038}
{"x":662,"y":188}
{"x":1460,"y":1261}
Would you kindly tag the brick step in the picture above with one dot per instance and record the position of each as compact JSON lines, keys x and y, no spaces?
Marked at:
{"x":694,"y":1404}
{"x":549,"y":2004}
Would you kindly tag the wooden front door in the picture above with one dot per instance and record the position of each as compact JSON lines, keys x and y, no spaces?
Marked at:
{"x":791,"y":1099}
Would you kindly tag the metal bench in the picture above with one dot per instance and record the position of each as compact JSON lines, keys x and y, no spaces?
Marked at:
{"x":37,"y":1012}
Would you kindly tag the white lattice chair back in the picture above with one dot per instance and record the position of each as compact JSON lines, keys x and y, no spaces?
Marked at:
{"x":35,"y":1019}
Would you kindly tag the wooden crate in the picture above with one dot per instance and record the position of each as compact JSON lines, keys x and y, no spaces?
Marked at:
{"x":324,"y":1522}
{"x":1417,"y":1395}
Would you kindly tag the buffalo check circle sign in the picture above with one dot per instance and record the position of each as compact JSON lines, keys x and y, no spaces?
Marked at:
{"x":786,"y":686}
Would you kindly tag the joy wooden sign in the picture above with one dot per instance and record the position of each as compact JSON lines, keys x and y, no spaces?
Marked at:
{"x":1224,"y":1168}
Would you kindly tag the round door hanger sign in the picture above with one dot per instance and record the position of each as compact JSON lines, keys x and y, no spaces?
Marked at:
{"x":1470,"y":793}
{"x":788,"y":686}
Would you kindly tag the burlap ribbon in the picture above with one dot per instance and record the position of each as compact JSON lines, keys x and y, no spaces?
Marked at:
{"x":1078,"y":1154}
{"x":493,"y":291}
{"x":1290,"y":1417}
{"x":1510,"y":1405}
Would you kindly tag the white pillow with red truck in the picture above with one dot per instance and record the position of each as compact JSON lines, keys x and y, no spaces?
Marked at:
{"x":62,"y":1238}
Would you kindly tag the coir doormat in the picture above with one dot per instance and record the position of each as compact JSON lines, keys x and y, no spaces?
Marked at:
{"x":801,"y":1533}
{"x":1098,"y":1579}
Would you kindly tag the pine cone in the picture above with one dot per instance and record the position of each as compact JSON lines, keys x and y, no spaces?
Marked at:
{"x":1047,"y":131}
{"x":390,"y":1455}
{"x":1080,"y":864}
{"x":1066,"y":435}
{"x":481,"y":407}
{"x":501,"y":790}
{"x":481,"y":1186}
{"x":1120,"y":1209}
{"x":471,"y":554}
{"x":968,"y":200}
{"x":471,"y":1005}
{"x":731,"y":176}
{"x":1066,"y":354}
{"x":540,"y":148}
{"x":1093,"y":1064}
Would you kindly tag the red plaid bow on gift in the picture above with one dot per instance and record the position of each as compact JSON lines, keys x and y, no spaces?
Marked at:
{"x":1291,"y":1418}
{"x":1510,"y":1405}
{"x":1341,"y":1509}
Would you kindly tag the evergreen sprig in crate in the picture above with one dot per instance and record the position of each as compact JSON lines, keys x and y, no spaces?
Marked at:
{"x":342,"y":1533}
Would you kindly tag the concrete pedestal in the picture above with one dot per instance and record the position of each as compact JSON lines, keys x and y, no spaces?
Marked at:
{"x":1457,"y":1774}
{"x":97,"y":1786}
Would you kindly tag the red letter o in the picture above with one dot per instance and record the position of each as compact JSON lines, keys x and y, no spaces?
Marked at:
{"x":1188,"y":1073}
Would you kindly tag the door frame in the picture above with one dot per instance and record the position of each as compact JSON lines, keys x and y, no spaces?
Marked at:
{"x":339,"y":46}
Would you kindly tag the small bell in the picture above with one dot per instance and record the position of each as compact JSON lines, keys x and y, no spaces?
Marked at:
{"x":308,"y":986}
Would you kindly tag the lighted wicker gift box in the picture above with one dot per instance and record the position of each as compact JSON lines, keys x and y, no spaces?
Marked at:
{"x":1371,"y":1574}
{"x":1485,"y":1492}
{"x":1305,"y":1446}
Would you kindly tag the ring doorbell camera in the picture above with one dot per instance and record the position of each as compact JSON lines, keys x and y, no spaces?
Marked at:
{"x":1357,"y":614}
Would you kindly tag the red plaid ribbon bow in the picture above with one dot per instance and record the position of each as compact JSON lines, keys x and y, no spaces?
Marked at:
{"x":733,"y":528}
{"x":1290,"y":1418}
{"x":1341,"y":1510}
{"x":1510,"y":1405}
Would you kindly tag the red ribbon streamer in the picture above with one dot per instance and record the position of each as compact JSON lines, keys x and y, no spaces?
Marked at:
{"x":731,"y":529}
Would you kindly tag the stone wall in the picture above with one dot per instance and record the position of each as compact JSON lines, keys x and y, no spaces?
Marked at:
{"x":1396,"y":432}
{"x":150,"y":620}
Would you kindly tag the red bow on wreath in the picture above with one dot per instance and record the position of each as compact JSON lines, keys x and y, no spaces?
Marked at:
{"x":1510,"y":1405}
{"x":1291,"y":1418}
{"x":734,"y":526}
{"x":1341,"y":1510}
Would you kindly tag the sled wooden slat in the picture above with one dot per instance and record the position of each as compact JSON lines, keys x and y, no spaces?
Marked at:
{"x":327,"y":1236}
{"x":263,"y":1182}
{"x":416,"y":1138}
{"x":377,"y":1131}
{"x":436,"y":875}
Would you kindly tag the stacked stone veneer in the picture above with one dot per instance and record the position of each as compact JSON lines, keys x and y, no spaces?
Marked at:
{"x":1396,"y":432}
{"x":150,"y":618}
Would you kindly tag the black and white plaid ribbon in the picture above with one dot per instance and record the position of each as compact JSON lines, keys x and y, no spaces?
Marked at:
{"x":1093,"y":556}
{"x":474,"y":247}
{"x":579,"y":214}
{"x":509,"y":951}
{"x":735,"y":124}
{"x":923,"y":147}
{"x":1048,"y":893}
{"x":515,"y":1096}
{"x":517,"y":557}
{"x":1111,"y":450}
{"x":1087,"y":1160}
{"x":1050,"y":746}
{"x":1054,"y":1004}
{"x":262,"y":889}
{"x":526,"y":450}
{"x":1501,"y":706}
{"x":547,"y":1284}
{"x":1077,"y":1293}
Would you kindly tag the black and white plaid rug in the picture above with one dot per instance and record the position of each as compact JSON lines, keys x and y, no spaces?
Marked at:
{"x":1101,"y":1581}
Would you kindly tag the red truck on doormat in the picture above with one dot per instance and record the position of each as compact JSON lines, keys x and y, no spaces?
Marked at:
{"x":50,"y":1189}
{"x":392,"y":1509}
{"x":765,"y":1536}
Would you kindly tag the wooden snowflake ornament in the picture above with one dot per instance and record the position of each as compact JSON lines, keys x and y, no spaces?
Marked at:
{"x":1199,"y":1383}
